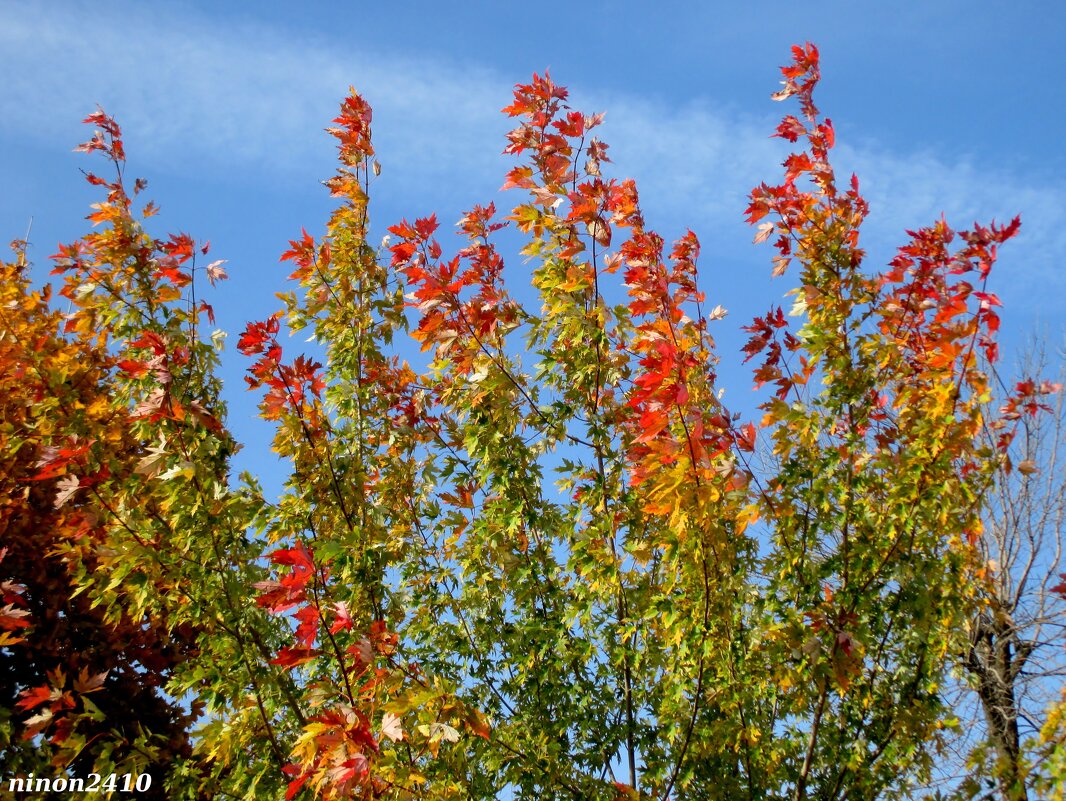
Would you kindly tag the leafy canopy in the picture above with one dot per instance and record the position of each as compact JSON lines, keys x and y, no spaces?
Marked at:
{"x":543,"y":558}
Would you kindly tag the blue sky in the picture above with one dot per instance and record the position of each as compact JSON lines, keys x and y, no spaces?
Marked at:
{"x":953,"y":107}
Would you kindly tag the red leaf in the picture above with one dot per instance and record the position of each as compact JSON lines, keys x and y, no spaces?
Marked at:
{"x":133,"y":368}
{"x":307,"y":631}
{"x":295,"y":785}
{"x":257,"y":333}
{"x":746,"y":437}
{"x":290,"y":657}
{"x":34,"y":697}
{"x":425,"y":226}
{"x":298,"y":557}
{"x":12,"y":618}
{"x":1060,"y":589}
{"x":343,"y":619}
{"x":791,"y":129}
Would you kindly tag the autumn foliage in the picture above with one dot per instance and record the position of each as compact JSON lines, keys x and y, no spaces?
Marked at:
{"x":534,"y":554}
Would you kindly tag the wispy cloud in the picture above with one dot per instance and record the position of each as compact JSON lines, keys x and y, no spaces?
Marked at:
{"x":238,"y":95}
{"x":250,"y":99}
{"x":698,"y":165}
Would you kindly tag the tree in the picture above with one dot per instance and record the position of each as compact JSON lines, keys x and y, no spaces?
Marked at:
{"x":126,"y":545}
{"x":669,"y":618}
{"x":1014,"y":661}
{"x":63,"y":441}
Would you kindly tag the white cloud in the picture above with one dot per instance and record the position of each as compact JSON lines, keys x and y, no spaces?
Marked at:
{"x":244,"y":93}
{"x":911,"y":190}
{"x":698,"y":165}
